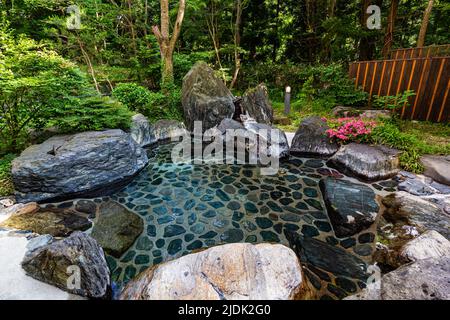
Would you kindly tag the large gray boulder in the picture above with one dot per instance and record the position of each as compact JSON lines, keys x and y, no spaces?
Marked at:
{"x":116,"y":228}
{"x":402,"y":208}
{"x":239,"y":271}
{"x":367,"y":162}
{"x":352,"y":207}
{"x":437,"y":168}
{"x":311,"y":139}
{"x":84,"y":164}
{"x":140,"y":130}
{"x":146,"y":134}
{"x":205,"y":98}
{"x":76,"y":264}
{"x":166,"y":130}
{"x":275,"y":139}
{"x":255,"y":103}
{"x":430,"y":244}
{"x":427,"y":279}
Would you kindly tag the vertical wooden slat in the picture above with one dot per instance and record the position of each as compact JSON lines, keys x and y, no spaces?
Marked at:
{"x":419,"y":88}
{"x":365,"y":75}
{"x":373,"y":83}
{"x":441,"y":112}
{"x":357,"y":75}
{"x":382,"y":77}
{"x":411,"y":76}
{"x":400,"y":80}
{"x":391,"y":78}
{"x":430,"y":107}
{"x":401,"y":77}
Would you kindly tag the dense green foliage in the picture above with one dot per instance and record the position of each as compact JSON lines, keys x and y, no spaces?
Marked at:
{"x":412,"y":144}
{"x":39,"y":88}
{"x":116,"y":39}
{"x":34,"y":83}
{"x":92,"y":113}
{"x":6,"y":185}
{"x":155,"y":105}
{"x":96,"y":76}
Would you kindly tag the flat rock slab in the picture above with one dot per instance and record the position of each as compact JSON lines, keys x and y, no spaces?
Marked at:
{"x":88,"y":163}
{"x":56,"y":262}
{"x":19,"y":208}
{"x":366,"y":162}
{"x":427,"y":279}
{"x":329,"y":258}
{"x":238,"y":271}
{"x":14,"y":283}
{"x":351,"y":207}
{"x":407,"y":209}
{"x":311,"y":139}
{"x":116,"y":228}
{"x":430,"y":244}
{"x":323,"y":262}
{"x":56,"y":222}
{"x":437,"y":168}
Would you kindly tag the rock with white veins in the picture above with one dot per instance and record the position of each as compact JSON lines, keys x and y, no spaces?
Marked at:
{"x":239,"y":271}
{"x":431,"y":244}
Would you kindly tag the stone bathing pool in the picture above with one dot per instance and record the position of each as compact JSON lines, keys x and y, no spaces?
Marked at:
{"x":188,"y":207}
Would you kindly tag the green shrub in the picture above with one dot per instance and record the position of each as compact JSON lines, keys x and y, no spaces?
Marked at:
{"x":411,"y":146}
{"x":331,"y":82}
{"x":154,"y":105}
{"x":394,"y":102}
{"x":93,"y":113}
{"x":134,"y":96}
{"x":6,"y":185}
{"x":34,"y":83}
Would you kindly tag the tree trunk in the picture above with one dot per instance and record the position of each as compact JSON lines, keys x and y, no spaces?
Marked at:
{"x":167,"y":68}
{"x":366,"y":44}
{"x":389,"y":35}
{"x":237,"y":41}
{"x":425,"y":21}
{"x":167,"y":43}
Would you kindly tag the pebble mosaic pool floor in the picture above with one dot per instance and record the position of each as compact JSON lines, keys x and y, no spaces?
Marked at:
{"x":188,"y":207}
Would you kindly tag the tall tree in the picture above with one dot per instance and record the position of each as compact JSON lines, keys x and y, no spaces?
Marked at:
{"x":425,"y":21}
{"x":166,"y":42}
{"x":366,"y":46}
{"x":389,"y":35}
{"x":239,"y":7}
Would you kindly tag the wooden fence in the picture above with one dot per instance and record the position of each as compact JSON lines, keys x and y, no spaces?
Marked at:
{"x":421,"y":52}
{"x":428,"y":77}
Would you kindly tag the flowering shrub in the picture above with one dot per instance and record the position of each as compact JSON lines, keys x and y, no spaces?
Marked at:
{"x":349,"y":129}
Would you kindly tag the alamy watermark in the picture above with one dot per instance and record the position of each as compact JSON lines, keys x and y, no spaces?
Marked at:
{"x":73,"y":22}
{"x":374,"y":20}
{"x":74,"y":279}
{"x":234,"y":146}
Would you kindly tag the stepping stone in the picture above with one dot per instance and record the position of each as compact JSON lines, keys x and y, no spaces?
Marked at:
{"x":366,"y":162}
{"x":437,"y":168}
{"x":116,"y":228}
{"x":351,"y":206}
